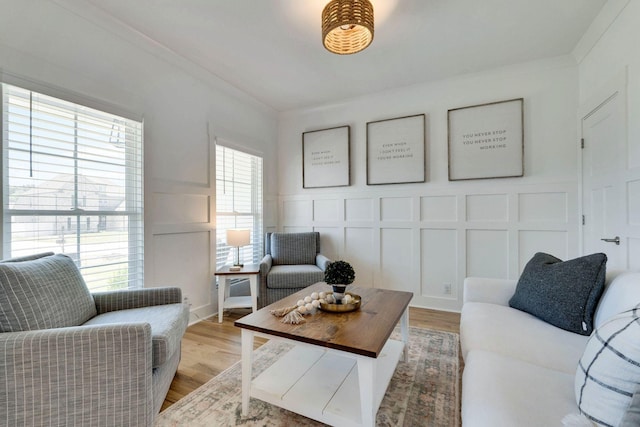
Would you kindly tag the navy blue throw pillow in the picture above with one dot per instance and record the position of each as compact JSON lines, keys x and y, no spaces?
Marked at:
{"x":562,"y":293}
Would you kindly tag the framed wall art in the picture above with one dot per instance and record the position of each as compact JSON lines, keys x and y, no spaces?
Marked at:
{"x":325,"y":158}
{"x":396,"y":150}
{"x":486,"y":141}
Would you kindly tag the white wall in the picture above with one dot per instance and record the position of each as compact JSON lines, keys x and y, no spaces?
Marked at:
{"x":420,"y":237}
{"x":77,"y":52}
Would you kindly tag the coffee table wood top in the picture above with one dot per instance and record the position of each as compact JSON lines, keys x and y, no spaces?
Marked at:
{"x":364,"y":331}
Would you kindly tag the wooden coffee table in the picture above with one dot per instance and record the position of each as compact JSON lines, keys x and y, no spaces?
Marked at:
{"x":341,"y":364}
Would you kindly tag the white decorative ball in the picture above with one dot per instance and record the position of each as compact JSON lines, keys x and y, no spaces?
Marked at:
{"x":322,"y":301}
{"x":302,"y":309}
{"x":330,"y":299}
{"x":314,"y":295}
{"x":322,"y":294}
{"x":347,"y":299}
{"x":300,"y":303}
{"x":309,"y":306}
{"x":307,"y":299}
{"x":315,"y":303}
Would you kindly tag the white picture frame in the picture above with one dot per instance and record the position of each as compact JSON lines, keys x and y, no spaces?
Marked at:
{"x":486,"y":141}
{"x":326,"y":158}
{"x":396,"y":151}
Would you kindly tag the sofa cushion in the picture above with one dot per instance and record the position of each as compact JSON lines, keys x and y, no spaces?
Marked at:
{"x":564,"y":294}
{"x":293,"y":248}
{"x":501,"y":391}
{"x":517,"y":334}
{"x":621,"y":294}
{"x":168,"y":324}
{"x":43,"y":293}
{"x":607,"y":379}
{"x":293,"y":276}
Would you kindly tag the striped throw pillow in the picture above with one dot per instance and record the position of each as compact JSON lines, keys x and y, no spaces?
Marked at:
{"x":607,"y":384}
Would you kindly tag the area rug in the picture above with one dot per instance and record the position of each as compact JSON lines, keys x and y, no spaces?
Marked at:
{"x":423,"y":391}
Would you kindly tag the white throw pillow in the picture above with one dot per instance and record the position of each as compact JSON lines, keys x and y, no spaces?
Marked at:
{"x":608,"y":374}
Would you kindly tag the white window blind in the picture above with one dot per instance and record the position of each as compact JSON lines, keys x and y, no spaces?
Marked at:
{"x":72,"y":183}
{"x":238,"y":203}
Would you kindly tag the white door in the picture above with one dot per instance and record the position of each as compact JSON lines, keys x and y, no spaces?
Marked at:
{"x":610,"y":186}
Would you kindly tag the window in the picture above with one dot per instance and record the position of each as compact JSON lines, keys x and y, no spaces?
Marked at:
{"x":72,"y":183}
{"x":238,"y":203}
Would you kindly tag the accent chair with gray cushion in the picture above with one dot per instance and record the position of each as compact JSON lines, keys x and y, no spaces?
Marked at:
{"x":70,"y":357}
{"x":292,"y":262}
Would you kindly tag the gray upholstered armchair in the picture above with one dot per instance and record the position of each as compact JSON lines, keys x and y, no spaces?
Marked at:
{"x":70,"y":357}
{"x":292,"y":262}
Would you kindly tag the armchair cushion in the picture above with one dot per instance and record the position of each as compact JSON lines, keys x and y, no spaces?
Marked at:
{"x":293,"y":276}
{"x":168,"y":323}
{"x":42,"y":293}
{"x":293,"y":248}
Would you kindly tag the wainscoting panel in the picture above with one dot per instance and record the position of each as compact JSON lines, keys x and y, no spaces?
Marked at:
{"x":426,"y":239}
{"x":331,"y":241}
{"x":184,"y":260}
{"x":543,"y":207}
{"x":396,"y":260}
{"x":439,"y":208}
{"x":555,"y":243}
{"x":487,"y":207}
{"x":327,"y":210}
{"x":487,"y":253}
{"x":358,"y":209}
{"x":360,"y":252}
{"x":396,"y":209}
{"x":297,"y":211}
{"x":297,"y":229}
{"x":439,"y":261}
{"x":181,"y":208}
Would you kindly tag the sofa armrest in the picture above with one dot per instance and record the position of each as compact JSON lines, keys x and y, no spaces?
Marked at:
{"x":493,"y":291}
{"x":135,"y":298}
{"x":85,"y":375}
{"x":322,"y":262}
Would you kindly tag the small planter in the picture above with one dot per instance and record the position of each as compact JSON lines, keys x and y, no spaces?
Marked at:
{"x":339,"y":274}
{"x":338,"y":292}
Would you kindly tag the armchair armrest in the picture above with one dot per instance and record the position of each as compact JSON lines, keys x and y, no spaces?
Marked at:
{"x":135,"y":298}
{"x":322,"y":262}
{"x":265,"y":265}
{"x":81,"y":375}
{"x":493,"y":291}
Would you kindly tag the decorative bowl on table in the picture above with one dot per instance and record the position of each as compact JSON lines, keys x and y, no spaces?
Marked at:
{"x":352,"y":304}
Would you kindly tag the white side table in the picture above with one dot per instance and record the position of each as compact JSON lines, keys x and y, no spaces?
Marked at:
{"x":249,"y":271}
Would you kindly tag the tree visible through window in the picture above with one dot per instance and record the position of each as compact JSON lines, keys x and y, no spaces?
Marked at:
{"x":238,"y":203}
{"x":72,"y":183}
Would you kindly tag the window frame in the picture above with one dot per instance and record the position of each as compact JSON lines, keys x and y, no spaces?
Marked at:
{"x":257,"y":227}
{"x":135,"y":233}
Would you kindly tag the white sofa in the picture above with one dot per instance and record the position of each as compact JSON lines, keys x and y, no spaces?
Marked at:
{"x":519,"y":370}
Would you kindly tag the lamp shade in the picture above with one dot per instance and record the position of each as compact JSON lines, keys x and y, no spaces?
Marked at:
{"x":347,"y":26}
{"x":238,"y":237}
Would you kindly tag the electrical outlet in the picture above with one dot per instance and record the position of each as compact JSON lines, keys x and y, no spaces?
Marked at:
{"x":447,"y":289}
{"x":186,"y":301}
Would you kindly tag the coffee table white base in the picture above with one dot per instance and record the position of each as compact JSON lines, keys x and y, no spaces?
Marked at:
{"x":331,"y":386}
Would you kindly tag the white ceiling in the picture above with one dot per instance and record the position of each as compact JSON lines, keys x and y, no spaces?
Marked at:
{"x":272,"y":50}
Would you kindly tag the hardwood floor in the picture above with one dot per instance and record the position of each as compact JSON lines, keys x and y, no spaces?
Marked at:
{"x":209,"y":347}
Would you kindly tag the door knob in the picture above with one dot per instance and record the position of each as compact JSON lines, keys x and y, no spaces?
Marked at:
{"x":615,"y":240}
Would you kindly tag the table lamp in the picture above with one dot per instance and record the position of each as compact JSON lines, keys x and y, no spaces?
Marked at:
{"x":237,"y":238}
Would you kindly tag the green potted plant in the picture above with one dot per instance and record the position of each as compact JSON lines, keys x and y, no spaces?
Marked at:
{"x":339,"y":274}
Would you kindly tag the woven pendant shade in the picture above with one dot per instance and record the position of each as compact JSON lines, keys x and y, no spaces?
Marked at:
{"x":347,"y":26}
